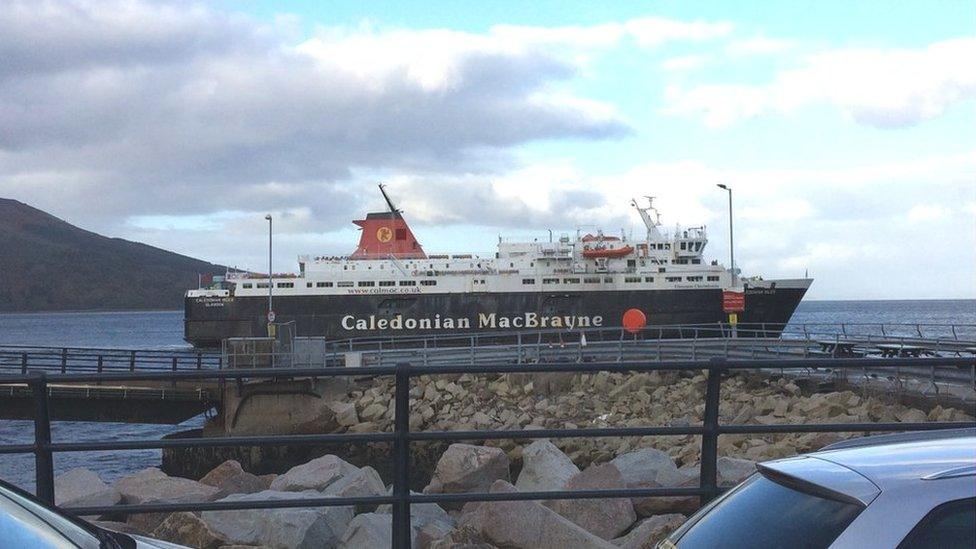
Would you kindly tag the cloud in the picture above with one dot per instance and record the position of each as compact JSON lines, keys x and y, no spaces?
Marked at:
{"x":758,"y":45}
{"x":685,"y":62}
{"x":928,"y":212}
{"x":885,"y":88}
{"x":176,"y":109}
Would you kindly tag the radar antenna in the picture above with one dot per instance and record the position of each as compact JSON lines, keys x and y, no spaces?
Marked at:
{"x":393,"y":209}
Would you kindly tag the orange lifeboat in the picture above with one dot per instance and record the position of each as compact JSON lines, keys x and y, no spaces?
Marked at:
{"x":595,"y":253}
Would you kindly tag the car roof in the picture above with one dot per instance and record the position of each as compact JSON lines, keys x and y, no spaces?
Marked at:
{"x":892,"y":464}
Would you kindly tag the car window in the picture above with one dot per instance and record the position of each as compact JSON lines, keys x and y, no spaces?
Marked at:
{"x":761,"y":513}
{"x":949,"y":526}
{"x":24,"y":519}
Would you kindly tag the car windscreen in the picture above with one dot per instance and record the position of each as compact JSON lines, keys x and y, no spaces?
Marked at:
{"x":762,"y":513}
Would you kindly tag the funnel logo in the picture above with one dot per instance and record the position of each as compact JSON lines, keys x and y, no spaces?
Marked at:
{"x":384,"y":234}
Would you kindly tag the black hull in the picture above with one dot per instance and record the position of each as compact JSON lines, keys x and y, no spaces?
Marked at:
{"x":209,"y":320}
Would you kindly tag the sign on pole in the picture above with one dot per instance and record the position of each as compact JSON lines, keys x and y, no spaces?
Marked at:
{"x":271,"y":316}
{"x":733,"y":302}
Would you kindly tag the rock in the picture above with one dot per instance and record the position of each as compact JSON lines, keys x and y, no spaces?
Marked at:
{"x":527,"y":525}
{"x":466,"y":468}
{"x":606,"y":518}
{"x":317,"y":474}
{"x":650,"y":531}
{"x":345,"y":413}
{"x":732,"y":471}
{"x":122,"y":527}
{"x":368,"y":531}
{"x":650,"y":468}
{"x":188,"y":529}
{"x":362,"y":483}
{"x":83,"y":488}
{"x":422,"y":512}
{"x":544,"y":467}
{"x":304,"y":528}
{"x":230,"y":478}
{"x":647,"y":468}
{"x":431,"y":532}
{"x":911,"y":415}
{"x":154,"y":486}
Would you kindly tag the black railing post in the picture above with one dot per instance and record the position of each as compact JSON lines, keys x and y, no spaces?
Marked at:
{"x":43,"y":460}
{"x":199,"y":361}
{"x":401,"y":458}
{"x":100,"y":363}
{"x":708,"y":474}
{"x":23,"y":363}
{"x":132,"y":361}
{"x":64,"y":360}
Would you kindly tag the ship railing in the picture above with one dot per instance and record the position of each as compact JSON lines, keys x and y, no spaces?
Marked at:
{"x":708,"y":427}
{"x":941,"y":337}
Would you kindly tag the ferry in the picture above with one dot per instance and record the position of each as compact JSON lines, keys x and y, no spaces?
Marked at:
{"x":389,"y":286}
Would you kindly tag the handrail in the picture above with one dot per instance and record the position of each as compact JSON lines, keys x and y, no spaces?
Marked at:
{"x":402,"y":436}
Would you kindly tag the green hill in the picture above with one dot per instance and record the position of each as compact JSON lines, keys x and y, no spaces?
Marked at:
{"x":47,"y":264}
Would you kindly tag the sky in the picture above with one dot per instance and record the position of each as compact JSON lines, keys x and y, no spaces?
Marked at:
{"x":847,"y":130}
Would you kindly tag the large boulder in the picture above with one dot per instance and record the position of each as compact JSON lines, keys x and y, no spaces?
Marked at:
{"x":544,"y":467}
{"x":368,"y":531}
{"x":732,"y":471}
{"x":363,"y":482}
{"x":423,"y":513}
{"x":317,"y":474}
{"x":154,"y":486}
{"x":190,"y":530}
{"x":465,"y":468}
{"x":83,"y":488}
{"x":230,"y":478}
{"x":606,"y":518}
{"x":650,"y":531}
{"x":291,"y":528}
{"x":526,"y":525}
{"x":650,"y":468}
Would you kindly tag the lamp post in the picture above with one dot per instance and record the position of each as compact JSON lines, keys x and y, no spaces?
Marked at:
{"x":270,"y":282}
{"x":731,"y":234}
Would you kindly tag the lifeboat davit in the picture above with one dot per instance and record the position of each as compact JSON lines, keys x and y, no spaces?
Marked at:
{"x":595,"y":253}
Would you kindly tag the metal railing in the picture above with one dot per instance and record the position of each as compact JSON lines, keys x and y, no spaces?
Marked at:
{"x":23,"y":358}
{"x":402,"y":436}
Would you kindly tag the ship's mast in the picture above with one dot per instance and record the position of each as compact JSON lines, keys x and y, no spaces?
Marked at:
{"x":652,"y":223}
{"x":389,"y":202}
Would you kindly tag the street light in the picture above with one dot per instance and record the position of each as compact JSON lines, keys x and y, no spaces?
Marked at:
{"x":731,"y":242}
{"x":270,"y":282}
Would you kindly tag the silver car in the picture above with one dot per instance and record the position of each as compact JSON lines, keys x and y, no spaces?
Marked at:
{"x":892,"y":491}
{"x":26,"y":523}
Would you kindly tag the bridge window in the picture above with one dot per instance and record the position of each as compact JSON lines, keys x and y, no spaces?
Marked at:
{"x":323,"y":284}
{"x":286,"y":284}
{"x":661,"y":270}
{"x":248,"y":285}
{"x":608,"y":280}
{"x":696,"y":261}
{"x":550,"y":281}
{"x":528,"y":281}
{"x":263,"y":285}
{"x":648,"y":279}
{"x":694,"y":279}
{"x":592,"y":280}
{"x":366,"y":283}
{"x":673,"y":279}
{"x":632,"y":279}
{"x":713,"y":279}
{"x":408,"y":282}
{"x":344,"y":284}
{"x":571,"y":281}
{"x":428,"y":283}
{"x":387,"y":283}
